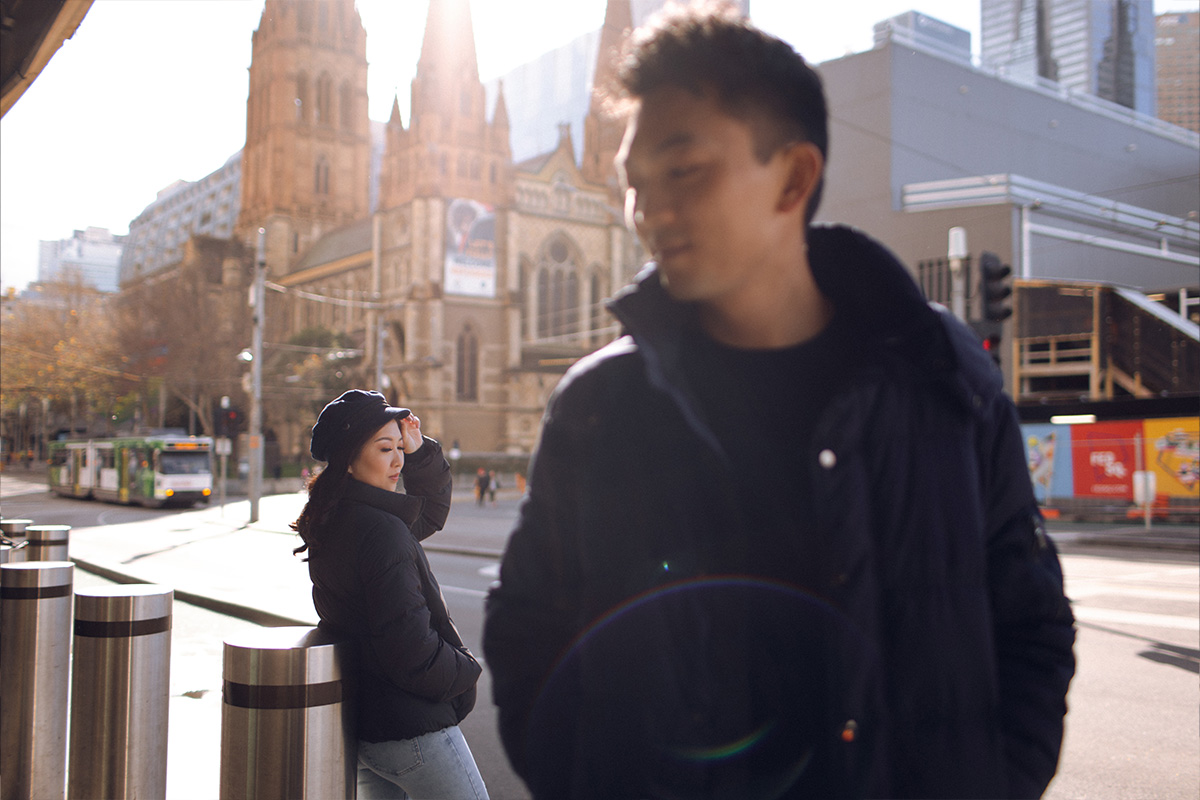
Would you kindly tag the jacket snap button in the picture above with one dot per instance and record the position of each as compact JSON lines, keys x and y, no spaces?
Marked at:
{"x":827,"y":458}
{"x":849,"y":731}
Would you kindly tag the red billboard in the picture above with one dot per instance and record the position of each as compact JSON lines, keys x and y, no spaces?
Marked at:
{"x":1104,"y":457}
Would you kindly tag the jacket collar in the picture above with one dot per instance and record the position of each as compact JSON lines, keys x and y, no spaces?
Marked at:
{"x":864,"y":281}
{"x":398,"y":504}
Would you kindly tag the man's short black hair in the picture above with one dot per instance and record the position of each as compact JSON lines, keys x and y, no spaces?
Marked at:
{"x":755,"y":76}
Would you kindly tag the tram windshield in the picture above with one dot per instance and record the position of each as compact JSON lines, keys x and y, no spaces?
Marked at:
{"x":183,"y":463}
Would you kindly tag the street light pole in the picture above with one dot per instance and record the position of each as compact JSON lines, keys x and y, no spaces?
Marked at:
{"x":257,"y":302}
{"x":957,"y":251}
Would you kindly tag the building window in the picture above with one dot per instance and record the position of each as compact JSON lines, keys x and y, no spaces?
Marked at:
{"x":346,"y":106}
{"x":467,"y":372}
{"x":595,"y":305}
{"x":543,"y":303}
{"x":324,"y":99}
{"x":558,"y":301}
{"x":321,"y":176}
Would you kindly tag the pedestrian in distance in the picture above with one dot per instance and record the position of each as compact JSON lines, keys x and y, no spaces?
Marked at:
{"x":481,"y":487}
{"x":779,"y":539}
{"x":372,"y":586}
{"x":493,"y":485}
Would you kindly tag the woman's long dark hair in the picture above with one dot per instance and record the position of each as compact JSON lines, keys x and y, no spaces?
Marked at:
{"x":325,"y":491}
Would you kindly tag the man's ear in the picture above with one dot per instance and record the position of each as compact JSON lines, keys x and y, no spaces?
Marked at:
{"x":805,"y":165}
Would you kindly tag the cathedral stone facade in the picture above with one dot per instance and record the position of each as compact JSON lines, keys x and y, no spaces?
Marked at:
{"x":474,"y":281}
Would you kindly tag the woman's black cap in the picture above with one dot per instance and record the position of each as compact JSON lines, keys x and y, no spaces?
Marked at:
{"x":349,"y":419}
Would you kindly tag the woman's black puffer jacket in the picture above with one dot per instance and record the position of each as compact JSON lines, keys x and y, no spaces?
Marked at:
{"x":372,"y":584}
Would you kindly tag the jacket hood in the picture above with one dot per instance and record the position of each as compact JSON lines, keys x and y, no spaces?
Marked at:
{"x":864,"y":281}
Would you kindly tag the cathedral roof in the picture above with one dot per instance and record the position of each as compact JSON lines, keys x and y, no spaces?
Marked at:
{"x":336,"y":245}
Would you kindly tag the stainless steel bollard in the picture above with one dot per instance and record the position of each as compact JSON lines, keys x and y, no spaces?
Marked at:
{"x":35,"y":668}
{"x":13,"y":532}
{"x":12,"y":553}
{"x":120,"y":688}
{"x":286,"y":725}
{"x":47,"y":542}
{"x":12,"y":526}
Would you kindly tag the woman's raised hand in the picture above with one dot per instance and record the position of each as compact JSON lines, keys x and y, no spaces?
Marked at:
{"x":410,"y":429}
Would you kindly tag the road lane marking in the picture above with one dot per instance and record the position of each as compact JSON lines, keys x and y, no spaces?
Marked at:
{"x":1112,"y":615}
{"x":1144,"y":593}
{"x":468,"y":592}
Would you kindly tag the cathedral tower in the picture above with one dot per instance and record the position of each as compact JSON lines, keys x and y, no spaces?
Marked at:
{"x":602,"y":133}
{"x":449,"y":148}
{"x":306,"y":163}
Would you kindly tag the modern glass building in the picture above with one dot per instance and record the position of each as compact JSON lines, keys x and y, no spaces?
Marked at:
{"x":1099,"y":47}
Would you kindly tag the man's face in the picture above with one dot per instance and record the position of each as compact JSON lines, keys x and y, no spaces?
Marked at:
{"x":704,"y":205}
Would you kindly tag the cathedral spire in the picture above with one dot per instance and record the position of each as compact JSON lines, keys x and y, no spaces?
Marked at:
{"x":447,"y":66}
{"x":601,"y":133}
{"x":500,"y":117}
{"x":618,"y":21}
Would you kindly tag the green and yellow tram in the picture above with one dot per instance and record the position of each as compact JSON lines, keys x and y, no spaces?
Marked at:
{"x":143,"y":470}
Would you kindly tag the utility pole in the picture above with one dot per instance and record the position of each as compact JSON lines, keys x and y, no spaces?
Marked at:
{"x":258,"y":304}
{"x":956,"y":252}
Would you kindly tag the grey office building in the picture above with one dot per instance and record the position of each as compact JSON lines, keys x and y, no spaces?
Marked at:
{"x":1061,"y":185}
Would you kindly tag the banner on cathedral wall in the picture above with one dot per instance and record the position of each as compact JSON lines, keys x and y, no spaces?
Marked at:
{"x":470,"y":248}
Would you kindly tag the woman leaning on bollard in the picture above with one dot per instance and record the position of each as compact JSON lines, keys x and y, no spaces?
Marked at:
{"x":372,"y":585}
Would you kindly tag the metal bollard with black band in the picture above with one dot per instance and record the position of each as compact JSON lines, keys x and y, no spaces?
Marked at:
{"x":12,"y":539}
{"x":286,"y":725}
{"x":47,"y":542}
{"x":35,"y":670}
{"x":120,"y":691}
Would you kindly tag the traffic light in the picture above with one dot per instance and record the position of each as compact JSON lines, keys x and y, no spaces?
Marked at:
{"x":994,"y":287}
{"x":989,"y":332}
{"x":230,"y":422}
{"x":991,"y":345}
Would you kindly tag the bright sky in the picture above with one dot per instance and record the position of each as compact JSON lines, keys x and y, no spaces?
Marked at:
{"x":151,"y":91}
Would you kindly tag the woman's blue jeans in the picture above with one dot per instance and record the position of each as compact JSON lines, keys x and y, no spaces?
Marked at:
{"x":433,"y":766}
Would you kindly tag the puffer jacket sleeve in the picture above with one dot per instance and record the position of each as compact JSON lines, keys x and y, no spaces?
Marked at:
{"x":1034,"y":628}
{"x":399,"y":641}
{"x":532,"y":612}
{"x":427,"y":477}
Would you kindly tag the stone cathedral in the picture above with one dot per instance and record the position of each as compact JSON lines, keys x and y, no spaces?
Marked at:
{"x":471,"y":282}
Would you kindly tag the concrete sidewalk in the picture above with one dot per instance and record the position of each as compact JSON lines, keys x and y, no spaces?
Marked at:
{"x":215,"y":559}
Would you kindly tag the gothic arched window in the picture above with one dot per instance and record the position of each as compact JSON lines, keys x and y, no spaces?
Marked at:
{"x":321,"y":176}
{"x":346,"y":106}
{"x":324,"y":99}
{"x":302,"y":98}
{"x":467,"y":368}
{"x":543,"y":303}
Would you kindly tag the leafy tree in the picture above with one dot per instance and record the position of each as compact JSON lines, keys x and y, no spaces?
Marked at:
{"x":60,"y":352}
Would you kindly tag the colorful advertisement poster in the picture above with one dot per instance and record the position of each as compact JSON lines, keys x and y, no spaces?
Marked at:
{"x":470,"y":249}
{"x":1048,"y":454}
{"x":1104,"y":457}
{"x":1173,"y":454}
